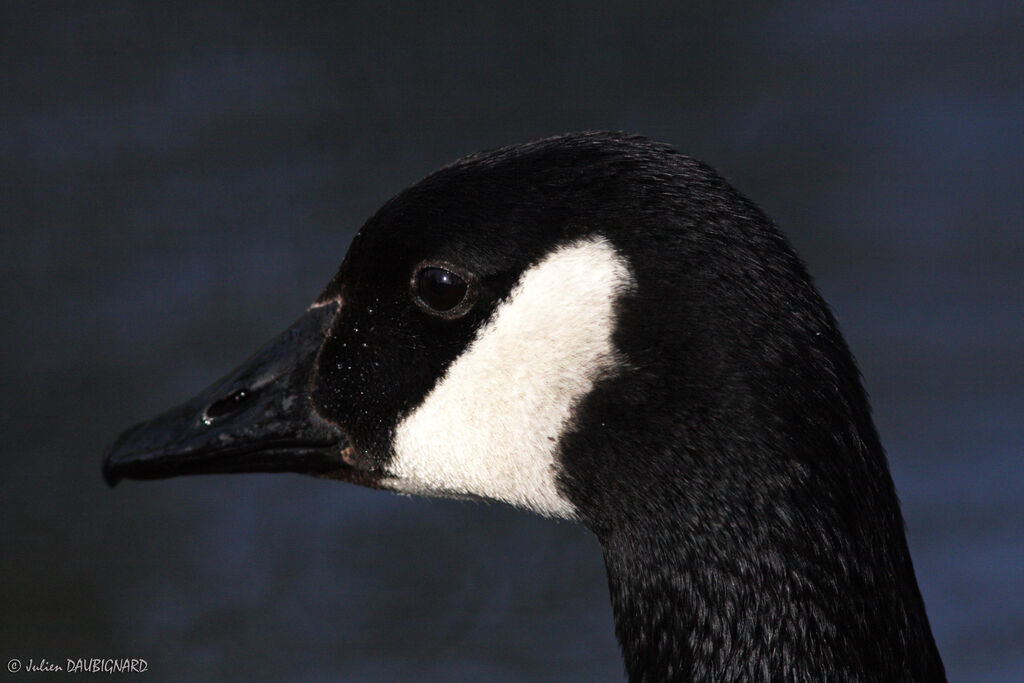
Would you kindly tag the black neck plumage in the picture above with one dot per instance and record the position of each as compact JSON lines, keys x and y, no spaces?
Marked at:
{"x":767,"y":593}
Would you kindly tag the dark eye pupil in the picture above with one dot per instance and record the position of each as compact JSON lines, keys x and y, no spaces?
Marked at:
{"x":440,"y":289}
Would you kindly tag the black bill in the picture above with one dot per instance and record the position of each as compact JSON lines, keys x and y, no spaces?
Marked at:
{"x":259,"y":418}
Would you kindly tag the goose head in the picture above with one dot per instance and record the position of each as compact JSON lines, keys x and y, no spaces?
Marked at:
{"x":597,"y":328}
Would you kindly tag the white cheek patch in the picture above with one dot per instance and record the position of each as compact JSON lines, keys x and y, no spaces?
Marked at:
{"x":491,"y":426}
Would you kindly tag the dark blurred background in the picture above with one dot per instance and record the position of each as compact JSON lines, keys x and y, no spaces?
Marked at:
{"x":177,"y":182}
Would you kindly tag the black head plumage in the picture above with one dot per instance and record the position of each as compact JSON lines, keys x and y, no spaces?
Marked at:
{"x":725,"y":457}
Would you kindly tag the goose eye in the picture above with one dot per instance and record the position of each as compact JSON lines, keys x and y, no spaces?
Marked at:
{"x":441,"y":291}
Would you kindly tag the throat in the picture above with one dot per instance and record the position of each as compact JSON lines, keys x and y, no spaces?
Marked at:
{"x":676,"y":621}
{"x":694,"y":611}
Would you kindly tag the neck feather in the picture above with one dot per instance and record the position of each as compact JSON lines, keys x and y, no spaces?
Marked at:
{"x":765,"y":592}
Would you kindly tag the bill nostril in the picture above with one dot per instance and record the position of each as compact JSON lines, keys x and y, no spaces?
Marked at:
{"x":231,"y":403}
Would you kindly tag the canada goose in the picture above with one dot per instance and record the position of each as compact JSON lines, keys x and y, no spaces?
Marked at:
{"x":597,"y":328}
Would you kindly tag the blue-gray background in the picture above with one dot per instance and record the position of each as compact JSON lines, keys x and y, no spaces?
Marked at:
{"x":177,"y":184}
